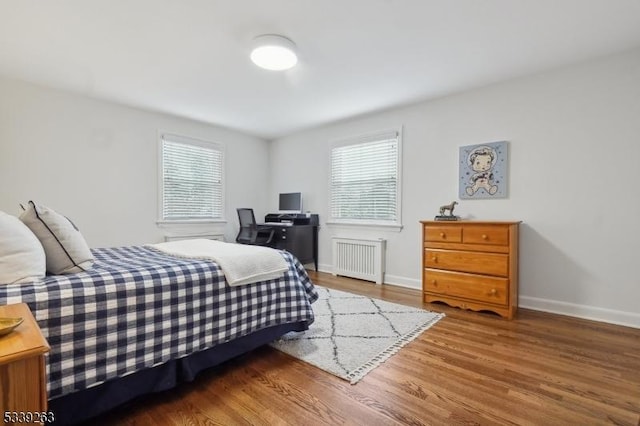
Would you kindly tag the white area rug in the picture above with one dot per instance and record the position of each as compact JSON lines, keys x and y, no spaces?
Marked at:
{"x":354,"y":334}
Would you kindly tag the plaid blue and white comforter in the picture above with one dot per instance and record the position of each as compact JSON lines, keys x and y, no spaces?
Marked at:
{"x":137,"y":308}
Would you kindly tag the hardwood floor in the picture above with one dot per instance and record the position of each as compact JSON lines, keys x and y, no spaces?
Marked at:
{"x":469,"y":368}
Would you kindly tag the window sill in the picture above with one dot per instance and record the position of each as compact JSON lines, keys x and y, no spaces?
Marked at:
{"x":163,"y":223}
{"x":396,"y":227}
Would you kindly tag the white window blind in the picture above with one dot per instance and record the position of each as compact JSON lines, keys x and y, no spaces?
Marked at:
{"x":192,"y":179}
{"x":365,"y":179}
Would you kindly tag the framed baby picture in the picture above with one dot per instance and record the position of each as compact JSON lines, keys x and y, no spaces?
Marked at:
{"x":483,"y":171}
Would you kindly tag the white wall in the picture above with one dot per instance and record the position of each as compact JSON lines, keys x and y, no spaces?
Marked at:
{"x":574,"y":137}
{"x":97,"y":163}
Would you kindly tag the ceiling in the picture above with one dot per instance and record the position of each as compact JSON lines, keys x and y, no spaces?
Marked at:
{"x":190,"y":57}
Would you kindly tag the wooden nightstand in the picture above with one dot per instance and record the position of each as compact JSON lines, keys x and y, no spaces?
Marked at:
{"x":23,"y":387}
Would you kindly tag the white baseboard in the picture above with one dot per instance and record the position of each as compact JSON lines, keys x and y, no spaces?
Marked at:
{"x":325,"y":268}
{"x":629,"y":319}
{"x":411,"y":283}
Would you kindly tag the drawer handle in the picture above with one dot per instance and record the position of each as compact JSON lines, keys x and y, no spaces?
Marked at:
{"x":443,"y":235}
{"x":493,"y":292}
{"x":435,"y":283}
{"x":434,"y":258}
{"x":485,"y":237}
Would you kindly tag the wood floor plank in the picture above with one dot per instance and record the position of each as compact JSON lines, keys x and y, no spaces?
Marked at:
{"x":469,"y":368}
{"x":335,"y":393}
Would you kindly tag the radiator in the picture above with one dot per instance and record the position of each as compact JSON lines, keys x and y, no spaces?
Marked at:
{"x":362,"y":259}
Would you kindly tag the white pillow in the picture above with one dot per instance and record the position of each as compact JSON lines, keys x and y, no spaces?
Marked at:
{"x":21,"y":254}
{"x":66,"y":250}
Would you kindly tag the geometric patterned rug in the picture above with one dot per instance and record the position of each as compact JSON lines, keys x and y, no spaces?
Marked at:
{"x":354,"y":334}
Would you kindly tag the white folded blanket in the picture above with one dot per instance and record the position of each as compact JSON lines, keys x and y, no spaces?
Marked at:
{"x":241,"y":264}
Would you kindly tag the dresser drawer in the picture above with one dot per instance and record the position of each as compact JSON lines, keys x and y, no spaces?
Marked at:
{"x":445,"y":234}
{"x":468,"y":286}
{"x":486,"y":234}
{"x":466,"y":261}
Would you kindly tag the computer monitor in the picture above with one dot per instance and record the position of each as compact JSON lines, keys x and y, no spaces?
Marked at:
{"x":290,"y":203}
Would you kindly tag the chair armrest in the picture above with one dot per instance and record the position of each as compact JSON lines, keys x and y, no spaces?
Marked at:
{"x":271,"y":234}
{"x":264,"y":230}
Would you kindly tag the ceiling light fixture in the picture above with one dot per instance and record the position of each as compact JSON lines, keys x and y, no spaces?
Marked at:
{"x":274,"y":52}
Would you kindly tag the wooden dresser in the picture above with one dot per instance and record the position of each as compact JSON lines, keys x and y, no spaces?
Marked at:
{"x":23,"y":387}
{"x":471,"y":265}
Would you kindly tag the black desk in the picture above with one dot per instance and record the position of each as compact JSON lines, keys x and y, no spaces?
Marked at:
{"x":297,"y":234}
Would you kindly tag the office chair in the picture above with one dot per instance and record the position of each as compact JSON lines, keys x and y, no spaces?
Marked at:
{"x":251,"y":232}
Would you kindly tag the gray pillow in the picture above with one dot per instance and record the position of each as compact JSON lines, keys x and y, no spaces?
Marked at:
{"x":21,"y":255}
{"x":66,"y":250}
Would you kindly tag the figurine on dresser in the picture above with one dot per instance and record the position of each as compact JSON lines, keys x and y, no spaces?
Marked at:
{"x":447,"y":207}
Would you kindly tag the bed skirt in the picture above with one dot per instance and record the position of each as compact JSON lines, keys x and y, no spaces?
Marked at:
{"x":83,"y":405}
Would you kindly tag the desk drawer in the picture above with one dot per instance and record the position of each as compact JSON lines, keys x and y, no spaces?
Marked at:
{"x":465,"y":261}
{"x":280,"y":233}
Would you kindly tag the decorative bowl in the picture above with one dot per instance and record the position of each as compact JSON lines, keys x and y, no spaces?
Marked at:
{"x":8,"y":324}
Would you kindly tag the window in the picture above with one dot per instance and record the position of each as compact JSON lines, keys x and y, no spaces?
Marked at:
{"x":365,"y":180}
{"x":192,"y":185}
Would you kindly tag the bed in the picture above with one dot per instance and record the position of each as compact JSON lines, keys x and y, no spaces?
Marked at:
{"x":142,"y":321}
